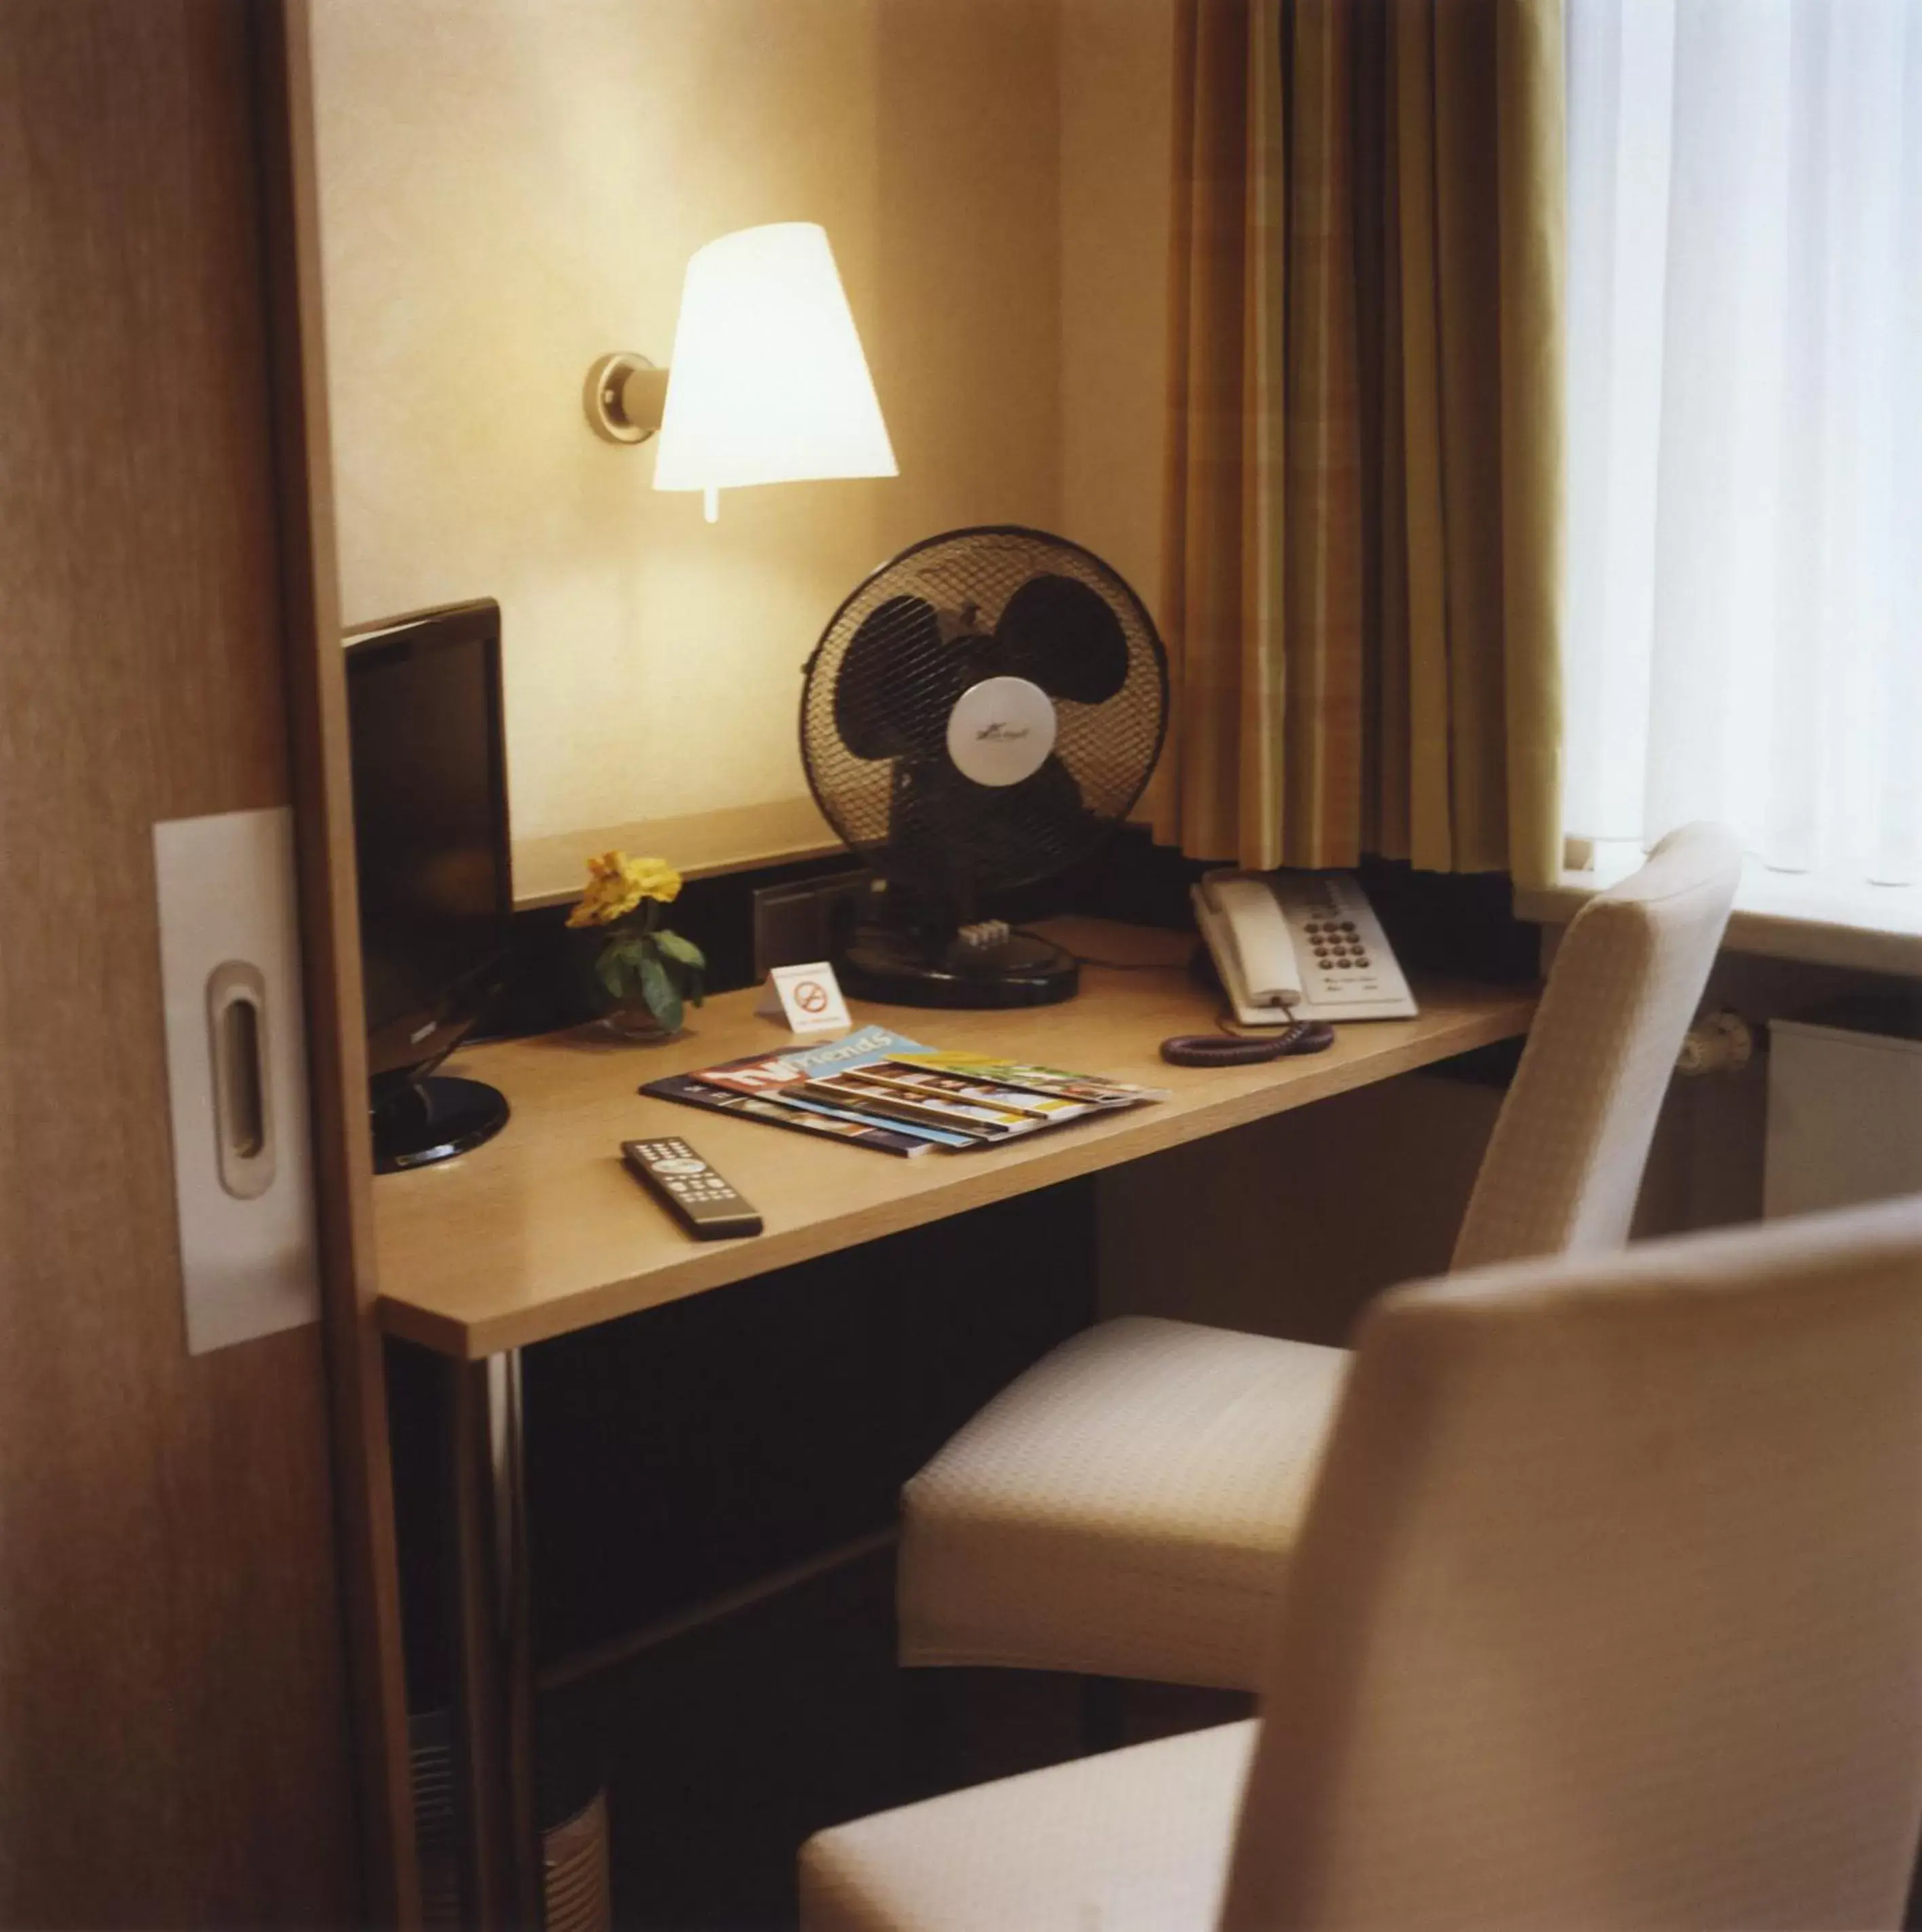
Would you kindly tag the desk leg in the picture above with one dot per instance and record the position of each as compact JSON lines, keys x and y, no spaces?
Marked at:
{"x":493,"y":1651}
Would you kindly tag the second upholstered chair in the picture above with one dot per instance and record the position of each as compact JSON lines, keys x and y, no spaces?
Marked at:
{"x":1126,"y":1508}
{"x":1608,"y":1613}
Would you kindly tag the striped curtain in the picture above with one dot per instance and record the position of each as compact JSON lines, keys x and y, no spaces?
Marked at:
{"x":1362,"y":552}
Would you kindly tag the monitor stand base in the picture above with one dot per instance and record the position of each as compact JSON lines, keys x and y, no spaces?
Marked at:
{"x":434,"y":1120}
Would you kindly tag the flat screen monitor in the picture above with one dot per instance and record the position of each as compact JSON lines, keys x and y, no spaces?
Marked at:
{"x":431,"y":851}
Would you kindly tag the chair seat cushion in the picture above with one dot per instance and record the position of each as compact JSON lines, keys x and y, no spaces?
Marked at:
{"x":1134,"y":1840}
{"x":1126,"y":1508}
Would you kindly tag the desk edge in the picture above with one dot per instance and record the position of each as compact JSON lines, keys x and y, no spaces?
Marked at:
{"x":1059,"y":1159}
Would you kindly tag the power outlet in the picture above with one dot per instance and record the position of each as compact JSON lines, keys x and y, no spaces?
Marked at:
{"x":795,"y":925}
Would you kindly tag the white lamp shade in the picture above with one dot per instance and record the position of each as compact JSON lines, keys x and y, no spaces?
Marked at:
{"x":768,"y":383}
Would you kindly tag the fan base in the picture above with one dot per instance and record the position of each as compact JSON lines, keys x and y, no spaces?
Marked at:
{"x":893,"y":967}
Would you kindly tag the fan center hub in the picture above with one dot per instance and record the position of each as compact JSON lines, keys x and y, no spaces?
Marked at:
{"x":1001,"y":731}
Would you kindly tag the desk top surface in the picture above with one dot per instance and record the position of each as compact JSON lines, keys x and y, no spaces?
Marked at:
{"x":542,"y":1231}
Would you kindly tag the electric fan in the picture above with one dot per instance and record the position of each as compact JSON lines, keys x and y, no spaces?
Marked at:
{"x":979,"y":714}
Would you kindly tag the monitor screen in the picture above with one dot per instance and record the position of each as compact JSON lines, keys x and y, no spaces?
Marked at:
{"x":430,"y":828}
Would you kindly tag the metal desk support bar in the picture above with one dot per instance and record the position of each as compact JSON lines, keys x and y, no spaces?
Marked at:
{"x":492,"y":1645}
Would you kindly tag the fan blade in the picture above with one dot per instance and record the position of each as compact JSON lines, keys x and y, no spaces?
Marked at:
{"x":1057,"y":633}
{"x":896,"y":683}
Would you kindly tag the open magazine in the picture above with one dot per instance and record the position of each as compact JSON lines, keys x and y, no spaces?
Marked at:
{"x":877,"y":1089}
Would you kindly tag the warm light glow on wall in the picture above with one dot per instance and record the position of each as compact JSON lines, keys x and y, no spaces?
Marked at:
{"x":768,"y":383}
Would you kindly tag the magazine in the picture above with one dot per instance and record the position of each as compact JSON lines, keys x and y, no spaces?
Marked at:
{"x":875,"y":1088}
{"x":860,"y":1095}
{"x":1095,"y":1087}
{"x":692,"y":1092}
{"x":921,"y":1080}
{"x":760,"y":1078}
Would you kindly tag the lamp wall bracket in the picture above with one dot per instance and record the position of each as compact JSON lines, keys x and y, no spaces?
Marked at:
{"x":624,"y":398}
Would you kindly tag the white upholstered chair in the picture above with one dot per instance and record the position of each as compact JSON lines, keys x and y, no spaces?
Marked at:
{"x":1126,"y":1508}
{"x":1606,"y":1612}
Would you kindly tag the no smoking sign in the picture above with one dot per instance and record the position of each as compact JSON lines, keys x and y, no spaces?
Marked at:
{"x":808,"y":997}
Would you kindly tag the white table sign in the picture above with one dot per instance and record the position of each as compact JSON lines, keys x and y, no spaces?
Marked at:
{"x":808,"y":997}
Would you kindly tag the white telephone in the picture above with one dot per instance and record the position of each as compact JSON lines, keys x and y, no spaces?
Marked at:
{"x":1299,"y":946}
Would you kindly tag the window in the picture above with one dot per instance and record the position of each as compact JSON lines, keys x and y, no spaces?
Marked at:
{"x":1745,"y":428}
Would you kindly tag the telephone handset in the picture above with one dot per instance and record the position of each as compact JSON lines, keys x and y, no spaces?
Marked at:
{"x":1301,"y":946}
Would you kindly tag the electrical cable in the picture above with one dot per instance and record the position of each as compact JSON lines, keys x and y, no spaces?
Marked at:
{"x":1106,"y":965}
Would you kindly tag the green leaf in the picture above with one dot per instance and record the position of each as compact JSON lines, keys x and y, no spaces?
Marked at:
{"x":685,"y":950}
{"x":696,"y":989}
{"x":611,"y":969}
{"x":659,"y":991}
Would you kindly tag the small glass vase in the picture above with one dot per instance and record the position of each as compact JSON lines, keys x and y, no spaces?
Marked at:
{"x":624,"y":1015}
{"x":632,"y":1021}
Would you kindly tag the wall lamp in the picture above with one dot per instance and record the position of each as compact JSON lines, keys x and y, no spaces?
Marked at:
{"x":768,"y":383}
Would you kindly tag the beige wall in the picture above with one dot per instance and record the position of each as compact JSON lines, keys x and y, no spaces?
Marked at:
{"x":510,"y":187}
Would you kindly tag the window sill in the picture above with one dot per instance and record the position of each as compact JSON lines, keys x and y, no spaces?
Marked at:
{"x":1782,"y":916}
{"x":547,"y":871}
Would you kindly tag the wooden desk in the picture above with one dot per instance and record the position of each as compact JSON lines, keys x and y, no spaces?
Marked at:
{"x":542,"y":1231}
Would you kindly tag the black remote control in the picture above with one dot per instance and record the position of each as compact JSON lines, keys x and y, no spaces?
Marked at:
{"x":708,"y":1208}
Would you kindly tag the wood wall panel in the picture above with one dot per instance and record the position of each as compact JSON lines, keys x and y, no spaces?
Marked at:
{"x":173,"y":1734}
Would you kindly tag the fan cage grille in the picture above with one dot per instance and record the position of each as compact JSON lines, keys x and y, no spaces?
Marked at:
{"x":975,"y":839}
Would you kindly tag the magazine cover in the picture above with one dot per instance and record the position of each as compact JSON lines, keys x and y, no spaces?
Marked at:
{"x":991,"y":1112}
{"x":1022,"y":1100}
{"x":763,"y":1073}
{"x":692,"y":1092}
{"x":860,"y":1096}
{"x":1094,"y":1087}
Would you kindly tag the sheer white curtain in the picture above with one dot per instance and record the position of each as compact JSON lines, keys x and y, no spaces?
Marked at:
{"x":1745,"y":431}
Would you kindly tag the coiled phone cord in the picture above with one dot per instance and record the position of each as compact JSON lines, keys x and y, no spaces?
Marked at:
{"x":1227,"y":1049}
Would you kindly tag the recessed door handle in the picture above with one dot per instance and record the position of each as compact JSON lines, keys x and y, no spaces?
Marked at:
{"x":243,"y":1107}
{"x":236,"y":1074}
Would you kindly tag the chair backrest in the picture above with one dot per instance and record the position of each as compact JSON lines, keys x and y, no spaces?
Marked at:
{"x":1564,"y":1163}
{"x":1608,"y":1610}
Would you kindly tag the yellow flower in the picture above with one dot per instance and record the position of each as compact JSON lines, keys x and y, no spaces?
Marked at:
{"x":652,"y":879}
{"x":617,"y":885}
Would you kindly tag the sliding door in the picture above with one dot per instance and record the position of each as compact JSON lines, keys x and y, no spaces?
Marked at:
{"x":176,"y":1741}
